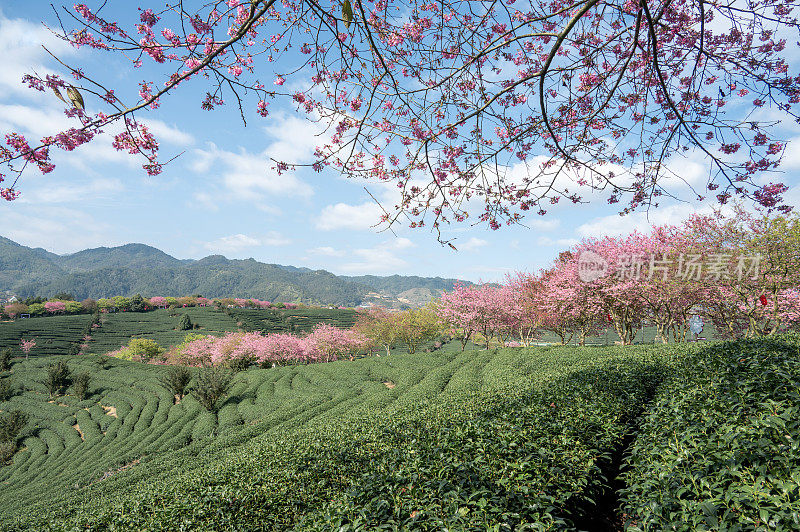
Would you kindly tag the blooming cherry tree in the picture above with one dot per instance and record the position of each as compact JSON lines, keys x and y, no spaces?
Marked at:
{"x":55,"y":306}
{"x":158,"y":301}
{"x":334,"y":343}
{"x":26,"y":346}
{"x":449,"y":100}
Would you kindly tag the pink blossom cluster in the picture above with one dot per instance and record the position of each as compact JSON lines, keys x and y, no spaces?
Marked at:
{"x":26,"y":346}
{"x":325,"y":343}
{"x":55,"y":306}
{"x":158,"y":301}
{"x":472,"y":309}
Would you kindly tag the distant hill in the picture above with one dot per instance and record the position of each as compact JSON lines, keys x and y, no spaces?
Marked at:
{"x":127,"y":256}
{"x":141,"y":269}
{"x":395,"y":284}
{"x":20,"y":265}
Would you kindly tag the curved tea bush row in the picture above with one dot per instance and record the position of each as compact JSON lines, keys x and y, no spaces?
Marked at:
{"x":162,"y":325}
{"x":53,"y":335}
{"x":126,"y":417}
{"x":292,"y":320}
{"x":535,"y":461}
{"x":465,"y":440}
{"x":720,"y":449}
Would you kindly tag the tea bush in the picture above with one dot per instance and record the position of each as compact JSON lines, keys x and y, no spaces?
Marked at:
{"x":506,"y":439}
{"x":53,"y":334}
{"x":5,"y":359}
{"x":7,"y":390}
{"x":720,"y":449}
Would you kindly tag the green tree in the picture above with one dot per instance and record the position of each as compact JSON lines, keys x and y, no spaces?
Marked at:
{"x":140,"y":350}
{"x":138,"y":304}
{"x":417,"y":326}
{"x":80,"y":385}
{"x":5,"y":359}
{"x":380,"y":326}
{"x":185,"y":324}
{"x":177,"y":380}
{"x":58,"y":378}
{"x":36,"y":309}
{"x":212,"y":385}
{"x":121,"y":302}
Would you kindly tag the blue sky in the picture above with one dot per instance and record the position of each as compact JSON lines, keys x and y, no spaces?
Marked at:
{"x":220,"y":195}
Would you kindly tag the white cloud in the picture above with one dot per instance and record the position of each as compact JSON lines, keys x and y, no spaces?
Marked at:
{"x":682,"y":172}
{"x":239,"y":242}
{"x":206,"y":200}
{"x":792,"y":196}
{"x":232,"y":243}
{"x":562,"y":242}
{"x":543,"y":225}
{"x":274,"y":238}
{"x":22,"y":43}
{"x":166,"y":133}
{"x":360,"y":217}
{"x":38,"y":122}
{"x":250,"y":176}
{"x":400,"y":243}
{"x":247,"y":175}
{"x":76,"y":192}
{"x":380,"y":258}
{"x":472,"y":244}
{"x":615,"y":225}
{"x":56,"y":229}
{"x":791,"y":158}
{"x":326,"y":251}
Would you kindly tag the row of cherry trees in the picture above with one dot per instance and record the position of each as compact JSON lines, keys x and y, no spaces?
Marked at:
{"x":241,"y":349}
{"x":742,"y":272}
{"x":325,"y":343}
{"x":135,"y":303}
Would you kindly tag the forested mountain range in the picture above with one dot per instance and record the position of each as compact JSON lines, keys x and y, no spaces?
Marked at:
{"x":141,"y":269}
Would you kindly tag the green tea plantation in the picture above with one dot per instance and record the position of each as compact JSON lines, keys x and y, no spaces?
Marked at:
{"x":678,"y":437}
{"x":58,"y":334}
